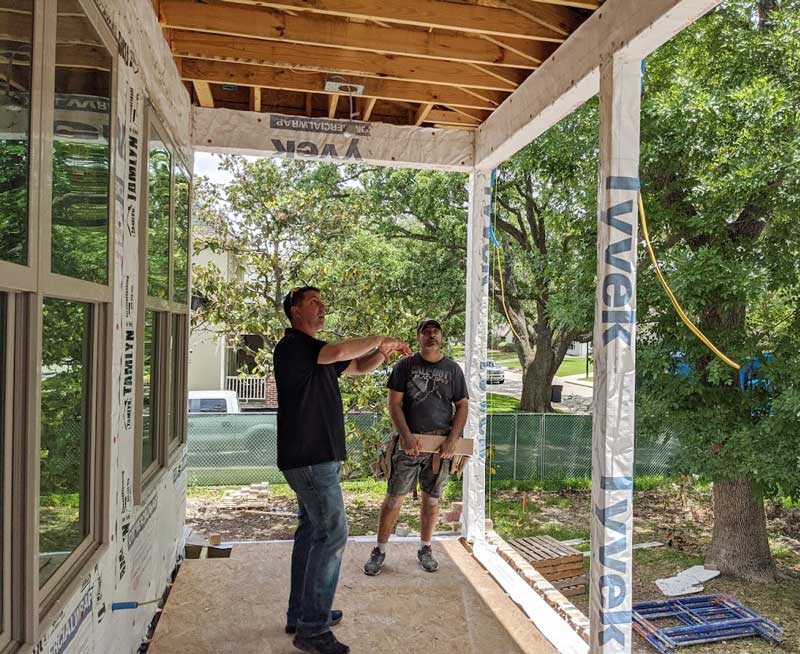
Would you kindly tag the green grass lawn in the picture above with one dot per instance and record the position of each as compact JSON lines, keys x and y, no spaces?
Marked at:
{"x":496,"y":403}
{"x":570,"y":365}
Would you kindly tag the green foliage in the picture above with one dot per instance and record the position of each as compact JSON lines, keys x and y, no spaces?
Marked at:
{"x":720,"y":146}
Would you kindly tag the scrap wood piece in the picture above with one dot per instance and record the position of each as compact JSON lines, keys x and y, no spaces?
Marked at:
{"x":704,"y":619}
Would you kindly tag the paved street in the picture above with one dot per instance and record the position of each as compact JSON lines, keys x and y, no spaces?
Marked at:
{"x":576,"y":396}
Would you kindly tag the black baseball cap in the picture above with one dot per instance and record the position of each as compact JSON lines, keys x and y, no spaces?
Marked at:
{"x":422,"y":324}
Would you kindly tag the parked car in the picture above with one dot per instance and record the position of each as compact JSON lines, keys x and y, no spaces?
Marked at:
{"x":213,"y":402}
{"x":495,"y":374}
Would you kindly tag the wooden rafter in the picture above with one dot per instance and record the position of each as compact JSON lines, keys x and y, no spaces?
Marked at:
{"x":440,"y":117}
{"x":255,"y":98}
{"x":422,"y":113}
{"x":204,"y":95}
{"x":434,"y":14}
{"x":365,"y":107}
{"x":254,"y":22}
{"x":333,"y":102}
{"x":342,"y":62}
{"x":249,"y":75}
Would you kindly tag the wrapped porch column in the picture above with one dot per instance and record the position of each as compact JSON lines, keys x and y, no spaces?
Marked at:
{"x":615,"y":357}
{"x":473,"y":526}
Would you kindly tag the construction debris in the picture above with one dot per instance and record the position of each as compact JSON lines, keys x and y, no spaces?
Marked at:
{"x":686,"y":582}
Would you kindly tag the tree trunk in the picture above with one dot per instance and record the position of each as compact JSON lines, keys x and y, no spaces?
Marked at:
{"x":739,"y":545}
{"x":537,"y":382}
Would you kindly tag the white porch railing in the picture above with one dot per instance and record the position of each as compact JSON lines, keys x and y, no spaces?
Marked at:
{"x":248,"y":389}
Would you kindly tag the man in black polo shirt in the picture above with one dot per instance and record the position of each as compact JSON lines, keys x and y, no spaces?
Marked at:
{"x":311,"y":447}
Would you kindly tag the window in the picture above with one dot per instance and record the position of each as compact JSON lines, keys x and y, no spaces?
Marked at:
{"x":65,"y":436}
{"x":55,"y":294}
{"x":164,"y":313}
{"x":15,"y":103}
{"x":81,"y":150}
{"x":5,"y":469}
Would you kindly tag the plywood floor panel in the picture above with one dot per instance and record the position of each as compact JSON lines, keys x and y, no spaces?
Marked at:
{"x":238,"y":606}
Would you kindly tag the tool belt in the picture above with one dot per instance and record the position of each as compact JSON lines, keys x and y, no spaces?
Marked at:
{"x":381,"y":468}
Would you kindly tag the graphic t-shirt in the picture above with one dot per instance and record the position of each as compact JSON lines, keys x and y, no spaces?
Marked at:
{"x":429,"y":391}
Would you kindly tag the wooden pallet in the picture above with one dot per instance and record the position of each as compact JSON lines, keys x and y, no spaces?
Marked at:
{"x":560,"y":564}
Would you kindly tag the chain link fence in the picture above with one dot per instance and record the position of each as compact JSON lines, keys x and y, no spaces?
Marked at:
{"x":236,"y":449}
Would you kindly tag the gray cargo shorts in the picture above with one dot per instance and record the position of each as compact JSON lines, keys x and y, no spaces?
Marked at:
{"x":406,"y":469}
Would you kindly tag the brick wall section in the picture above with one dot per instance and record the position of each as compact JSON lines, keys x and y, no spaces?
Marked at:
{"x":551,"y":595}
{"x":272,"y":393}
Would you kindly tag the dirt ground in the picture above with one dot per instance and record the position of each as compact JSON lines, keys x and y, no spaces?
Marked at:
{"x":679,"y":515}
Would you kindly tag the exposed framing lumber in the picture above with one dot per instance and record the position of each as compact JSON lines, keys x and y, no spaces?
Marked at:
{"x":255,"y":98}
{"x":433,"y":14}
{"x":422,"y":114}
{"x":564,"y":83}
{"x":365,"y":107}
{"x":255,"y":22}
{"x":450,"y":118}
{"x":219,"y":47}
{"x":333,"y":102}
{"x":263,"y":76}
{"x":580,"y":4}
{"x":559,"y":19}
{"x":309,"y":101}
{"x":204,"y":95}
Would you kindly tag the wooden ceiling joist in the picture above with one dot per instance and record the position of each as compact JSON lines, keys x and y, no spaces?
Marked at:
{"x":422,"y":114}
{"x":441,"y":117}
{"x":255,"y":98}
{"x":257,"y":23}
{"x":333,"y":103}
{"x":342,"y":62}
{"x":365,"y":107}
{"x":434,"y":14}
{"x":204,"y":95}
{"x":264,"y":76}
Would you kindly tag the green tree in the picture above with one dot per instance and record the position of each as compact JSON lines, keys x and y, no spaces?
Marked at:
{"x":273,"y":220}
{"x":545,"y":223}
{"x":720,"y":153}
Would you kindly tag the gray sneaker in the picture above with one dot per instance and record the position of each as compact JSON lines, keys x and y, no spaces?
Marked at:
{"x":376,"y":559}
{"x":426,"y":560}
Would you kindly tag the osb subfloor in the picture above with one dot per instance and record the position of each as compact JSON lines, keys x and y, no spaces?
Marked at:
{"x":238,"y":606}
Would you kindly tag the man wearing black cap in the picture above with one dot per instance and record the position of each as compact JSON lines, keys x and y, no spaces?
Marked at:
{"x":427,"y":395}
{"x":311,"y":447}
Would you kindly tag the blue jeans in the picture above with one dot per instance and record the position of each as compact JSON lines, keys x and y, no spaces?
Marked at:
{"x":318,"y":546}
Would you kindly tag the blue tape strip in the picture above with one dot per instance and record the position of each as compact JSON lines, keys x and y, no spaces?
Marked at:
{"x":493,"y":237}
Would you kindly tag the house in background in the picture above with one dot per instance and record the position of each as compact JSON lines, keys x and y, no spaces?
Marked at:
{"x":217,"y":364}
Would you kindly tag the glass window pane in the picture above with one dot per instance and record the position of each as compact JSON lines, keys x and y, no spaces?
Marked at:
{"x":180,"y":248}
{"x":81,"y":150}
{"x":64,"y":463}
{"x":178,"y":398}
{"x":3,"y":436}
{"x":148,"y":421}
{"x":158,"y":174}
{"x":16,"y":30}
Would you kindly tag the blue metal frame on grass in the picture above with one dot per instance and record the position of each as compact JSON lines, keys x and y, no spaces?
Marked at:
{"x":705,"y":619}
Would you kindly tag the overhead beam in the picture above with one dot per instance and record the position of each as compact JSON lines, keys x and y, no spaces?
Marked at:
{"x":219,"y":47}
{"x":450,"y":118}
{"x":267,"y":135}
{"x":561,"y":20}
{"x":422,"y":113}
{"x":333,"y":102}
{"x":278,"y":78}
{"x":204,"y":95}
{"x":365,"y":107}
{"x":254,"y":22}
{"x":579,"y":4}
{"x":566,"y":81}
{"x":433,"y":14}
{"x":255,"y":98}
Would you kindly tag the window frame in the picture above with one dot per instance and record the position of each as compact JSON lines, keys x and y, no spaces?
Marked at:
{"x":26,"y":287}
{"x":168,"y":382}
{"x":6,"y":441}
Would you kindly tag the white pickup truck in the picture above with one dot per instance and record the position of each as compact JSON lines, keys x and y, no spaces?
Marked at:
{"x":213,"y":402}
